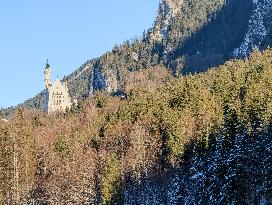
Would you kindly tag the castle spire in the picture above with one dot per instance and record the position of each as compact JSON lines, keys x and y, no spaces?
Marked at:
{"x":47,"y":64}
{"x":47,"y":77}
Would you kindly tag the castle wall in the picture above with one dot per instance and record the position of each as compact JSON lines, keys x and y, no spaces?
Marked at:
{"x":57,"y":96}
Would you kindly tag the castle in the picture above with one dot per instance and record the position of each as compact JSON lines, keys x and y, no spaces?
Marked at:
{"x":57,"y":96}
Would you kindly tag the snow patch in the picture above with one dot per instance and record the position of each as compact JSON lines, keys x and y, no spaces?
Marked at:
{"x":256,"y":30}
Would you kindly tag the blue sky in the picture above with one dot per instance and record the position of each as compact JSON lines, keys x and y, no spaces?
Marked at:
{"x":67,"y":32}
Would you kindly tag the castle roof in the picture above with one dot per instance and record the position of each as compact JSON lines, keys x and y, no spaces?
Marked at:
{"x":58,"y":84}
{"x":47,"y":64}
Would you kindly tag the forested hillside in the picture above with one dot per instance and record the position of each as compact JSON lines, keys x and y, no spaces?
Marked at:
{"x":188,"y":36}
{"x":195,"y":139}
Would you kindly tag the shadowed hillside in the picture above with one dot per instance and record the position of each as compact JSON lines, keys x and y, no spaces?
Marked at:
{"x":214,"y":43}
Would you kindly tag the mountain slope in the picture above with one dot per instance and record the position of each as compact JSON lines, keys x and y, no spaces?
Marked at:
{"x":196,"y":139}
{"x":188,"y":36}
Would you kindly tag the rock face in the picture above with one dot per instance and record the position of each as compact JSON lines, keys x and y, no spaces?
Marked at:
{"x":168,"y":9}
{"x":102,"y":81}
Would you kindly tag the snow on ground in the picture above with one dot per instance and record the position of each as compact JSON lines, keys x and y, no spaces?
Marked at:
{"x":256,"y":29}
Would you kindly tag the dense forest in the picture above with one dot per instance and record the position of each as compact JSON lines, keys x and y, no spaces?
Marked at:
{"x":195,"y":139}
{"x":180,"y":115}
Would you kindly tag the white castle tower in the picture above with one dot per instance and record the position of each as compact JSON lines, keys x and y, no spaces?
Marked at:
{"x":47,"y":75}
{"x":57,"y":95}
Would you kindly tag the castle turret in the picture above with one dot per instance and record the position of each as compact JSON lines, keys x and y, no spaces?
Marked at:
{"x":47,"y":73}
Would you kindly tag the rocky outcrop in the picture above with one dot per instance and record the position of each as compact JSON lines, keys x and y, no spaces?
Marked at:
{"x":100,"y":80}
{"x":168,"y":9}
